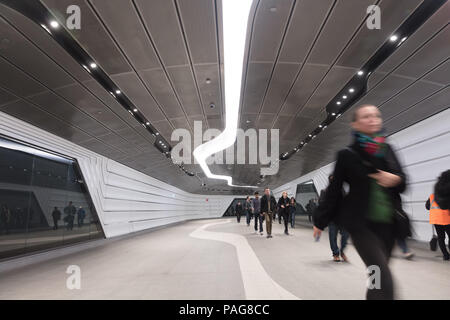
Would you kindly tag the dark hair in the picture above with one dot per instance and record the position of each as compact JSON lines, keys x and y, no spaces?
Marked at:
{"x":442,"y":190}
{"x":330,"y":177}
{"x":355,"y":112}
{"x":256,"y":193}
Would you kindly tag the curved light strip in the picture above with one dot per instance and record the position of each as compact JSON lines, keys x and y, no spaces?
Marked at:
{"x":235,"y":19}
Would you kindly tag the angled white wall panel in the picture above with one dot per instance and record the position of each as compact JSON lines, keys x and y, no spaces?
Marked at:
{"x":125,"y":200}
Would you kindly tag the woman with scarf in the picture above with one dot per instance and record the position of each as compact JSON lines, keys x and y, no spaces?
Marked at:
{"x":368,"y":211}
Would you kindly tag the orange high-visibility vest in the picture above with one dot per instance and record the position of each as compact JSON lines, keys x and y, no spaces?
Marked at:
{"x":437,"y":215}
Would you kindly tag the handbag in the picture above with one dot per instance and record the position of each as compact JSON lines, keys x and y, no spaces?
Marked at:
{"x":433,"y":241}
{"x":402,"y":225}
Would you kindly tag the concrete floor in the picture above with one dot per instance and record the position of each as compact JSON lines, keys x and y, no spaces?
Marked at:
{"x":219,"y":259}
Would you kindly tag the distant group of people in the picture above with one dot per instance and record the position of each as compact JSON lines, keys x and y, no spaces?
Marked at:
{"x":265,"y":209}
{"x":70,"y":211}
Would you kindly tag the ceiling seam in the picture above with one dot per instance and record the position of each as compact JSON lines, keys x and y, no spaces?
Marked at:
{"x":75,"y":79}
{"x":250,"y":40}
{"x":60,"y":119}
{"x":64,"y":99}
{"x":188,"y":53}
{"x":316,"y":38}
{"x":274,"y":62}
{"x":164,"y":68}
{"x":129,"y":62}
{"x":219,"y":60}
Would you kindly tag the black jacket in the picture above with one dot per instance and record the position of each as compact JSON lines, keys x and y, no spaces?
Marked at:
{"x":273,"y":204}
{"x":239,"y":208}
{"x":285,"y":203}
{"x":353,"y":166}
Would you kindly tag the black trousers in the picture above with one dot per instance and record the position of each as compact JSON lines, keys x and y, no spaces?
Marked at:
{"x":441,"y":230}
{"x":374,"y":243}
{"x":286,"y":221}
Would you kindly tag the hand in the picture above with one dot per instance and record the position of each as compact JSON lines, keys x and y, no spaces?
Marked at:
{"x":317,"y":232}
{"x":386,"y":179}
{"x":282,"y":206}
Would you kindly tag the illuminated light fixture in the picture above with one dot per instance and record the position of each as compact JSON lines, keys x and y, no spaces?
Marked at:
{"x":135,"y":110}
{"x":235,"y":20}
{"x":309,"y":135}
{"x":393,"y":38}
{"x":144,"y":125}
{"x":117,"y":91}
{"x":157,"y":133}
{"x":112,"y":94}
{"x":147,"y":123}
{"x":87,"y":69}
{"x":46,"y":29}
{"x":54,"y":24}
{"x":403,"y":39}
{"x":338,"y":115}
{"x":320,"y":126}
{"x":351,"y":90}
{"x":325,"y":127}
{"x":344,"y":97}
{"x":333,"y":114}
{"x":93,"y":65}
{"x":131,"y":112}
{"x":338,"y":103}
{"x":360,"y":73}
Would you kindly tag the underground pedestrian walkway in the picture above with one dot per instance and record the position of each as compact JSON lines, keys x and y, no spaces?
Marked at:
{"x":218,"y":259}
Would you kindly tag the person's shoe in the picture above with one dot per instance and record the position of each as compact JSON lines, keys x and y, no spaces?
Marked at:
{"x":336,"y":258}
{"x":286,"y":233}
{"x":447,"y":257}
{"x":408,"y":255}
{"x":344,"y":257}
{"x":261,"y":233}
{"x":268,"y":236}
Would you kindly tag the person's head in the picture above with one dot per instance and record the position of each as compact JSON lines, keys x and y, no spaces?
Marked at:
{"x":367,"y":119}
{"x":70,"y":203}
{"x":330,"y":178}
{"x":442,"y":190}
{"x":267,"y":191}
{"x":56,"y":208}
{"x":248,"y":198}
{"x":292,"y":200}
{"x":256,"y":194}
{"x":239,"y":202}
{"x":284,"y":194}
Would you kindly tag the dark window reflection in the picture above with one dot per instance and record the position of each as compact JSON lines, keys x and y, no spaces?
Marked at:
{"x":43,"y":201}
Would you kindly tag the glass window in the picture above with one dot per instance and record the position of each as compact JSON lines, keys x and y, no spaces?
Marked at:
{"x":43,"y":201}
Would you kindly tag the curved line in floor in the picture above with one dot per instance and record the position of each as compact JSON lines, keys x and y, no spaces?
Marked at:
{"x":258,"y":285}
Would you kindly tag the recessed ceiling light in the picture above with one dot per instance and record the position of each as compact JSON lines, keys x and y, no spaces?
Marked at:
{"x":46,"y":29}
{"x":157,"y":133}
{"x":248,"y":121}
{"x":393,"y":38}
{"x":309,"y":135}
{"x":344,"y":97}
{"x":135,"y":110}
{"x":360,"y":73}
{"x":93,"y":65}
{"x":147,"y":123}
{"x":320,"y":126}
{"x":54,"y":24}
{"x":117,"y":91}
{"x":351,"y":90}
{"x":333,"y":114}
{"x":338,"y":102}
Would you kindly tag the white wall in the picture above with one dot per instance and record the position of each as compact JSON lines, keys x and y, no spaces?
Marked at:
{"x":424,"y":151}
{"x":125,"y":199}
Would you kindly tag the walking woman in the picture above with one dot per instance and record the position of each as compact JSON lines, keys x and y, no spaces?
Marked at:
{"x":283,"y":210}
{"x":440,"y":219}
{"x":370,"y":209}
